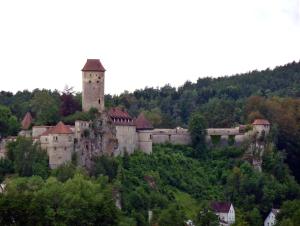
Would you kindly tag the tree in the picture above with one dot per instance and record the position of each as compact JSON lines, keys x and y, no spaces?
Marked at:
{"x":69,"y":105}
{"x":28,"y":158}
{"x":78,"y":201}
{"x":173,"y":215}
{"x":197,"y":129}
{"x":8,"y":123}
{"x":207,"y":218}
{"x":105,"y":165}
{"x":45,"y":106}
{"x":254,"y":217}
{"x":289,"y":213}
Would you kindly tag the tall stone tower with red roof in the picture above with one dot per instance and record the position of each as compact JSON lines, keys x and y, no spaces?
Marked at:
{"x":93,"y":74}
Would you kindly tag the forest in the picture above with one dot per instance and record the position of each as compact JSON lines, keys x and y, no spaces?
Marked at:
{"x":160,"y":182}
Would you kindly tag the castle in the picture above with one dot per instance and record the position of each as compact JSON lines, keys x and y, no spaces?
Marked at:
{"x":114,"y":131}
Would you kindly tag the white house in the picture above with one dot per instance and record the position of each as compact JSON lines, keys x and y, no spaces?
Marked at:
{"x":225,"y":212}
{"x":2,"y":187}
{"x":271,"y":218}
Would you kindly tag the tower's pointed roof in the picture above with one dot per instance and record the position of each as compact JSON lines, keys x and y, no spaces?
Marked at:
{"x":142,"y":123}
{"x":26,"y":122}
{"x":93,"y":65}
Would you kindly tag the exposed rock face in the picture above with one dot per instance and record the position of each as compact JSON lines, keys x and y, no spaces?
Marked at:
{"x":99,"y":138}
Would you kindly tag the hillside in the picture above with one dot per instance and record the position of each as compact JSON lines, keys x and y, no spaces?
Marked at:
{"x":170,"y":182}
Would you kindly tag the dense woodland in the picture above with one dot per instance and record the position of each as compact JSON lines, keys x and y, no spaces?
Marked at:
{"x":175,"y":182}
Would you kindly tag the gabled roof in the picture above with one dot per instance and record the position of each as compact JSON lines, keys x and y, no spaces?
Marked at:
{"x":60,"y":128}
{"x":93,"y":65}
{"x":27,"y":121}
{"x":119,"y":113}
{"x":142,"y":123}
{"x":261,"y":122}
{"x":120,"y":117}
{"x":221,"y":207}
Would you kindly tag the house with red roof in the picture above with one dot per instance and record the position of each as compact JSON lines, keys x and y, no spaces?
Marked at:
{"x":225,"y":212}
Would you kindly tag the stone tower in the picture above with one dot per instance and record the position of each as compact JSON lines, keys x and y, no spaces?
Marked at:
{"x":93,"y":74}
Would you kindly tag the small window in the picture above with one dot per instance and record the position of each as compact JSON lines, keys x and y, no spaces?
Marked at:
{"x":90,"y":81}
{"x":97,"y":81}
{"x":90,"y":75}
{"x":99,"y":101}
{"x":54,"y":148}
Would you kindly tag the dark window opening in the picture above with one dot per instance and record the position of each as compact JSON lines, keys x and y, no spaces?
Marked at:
{"x":97,"y":81}
{"x":99,"y":101}
{"x":90,"y":81}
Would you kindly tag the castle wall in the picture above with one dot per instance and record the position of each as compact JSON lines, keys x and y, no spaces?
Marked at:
{"x":38,"y":130}
{"x":92,"y":90}
{"x":25,"y":133}
{"x":173,"y":136}
{"x":59,"y":148}
{"x":144,"y":141}
{"x":127,"y":139}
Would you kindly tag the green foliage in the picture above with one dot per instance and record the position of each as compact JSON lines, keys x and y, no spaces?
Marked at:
{"x":64,"y":172}
{"x":45,"y":106}
{"x":8,"y":123}
{"x":105,"y":165}
{"x":231,"y":140}
{"x":197,"y":129}
{"x":173,"y":215}
{"x":254,"y":217}
{"x":6,"y":167}
{"x":289,"y":213}
{"x":215,"y":139}
{"x":78,"y":201}
{"x":207,"y":218}
{"x":78,"y":115}
{"x":28,"y":158}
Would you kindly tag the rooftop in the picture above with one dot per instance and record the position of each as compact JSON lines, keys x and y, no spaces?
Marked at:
{"x":120,"y":117}
{"x":93,"y":65}
{"x":60,"y":128}
{"x":221,"y":207}
{"x":261,"y":122}
{"x":142,"y":123}
{"x":27,"y":121}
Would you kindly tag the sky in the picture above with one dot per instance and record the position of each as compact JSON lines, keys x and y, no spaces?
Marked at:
{"x":45,"y":44}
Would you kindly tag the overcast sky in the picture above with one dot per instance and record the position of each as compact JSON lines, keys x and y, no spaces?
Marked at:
{"x":44,"y":44}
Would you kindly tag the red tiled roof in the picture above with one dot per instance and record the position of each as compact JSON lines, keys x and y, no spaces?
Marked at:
{"x":93,"y":65}
{"x":142,"y":123}
{"x":60,"y":128}
{"x":118,"y":113}
{"x":26,"y":122}
{"x":221,"y":207}
{"x":261,"y":122}
{"x":120,"y":117}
